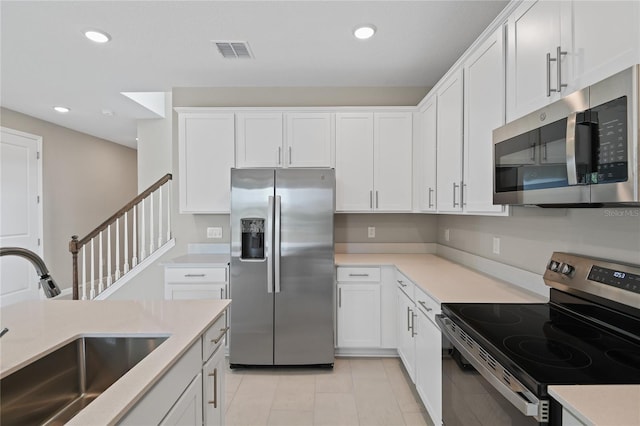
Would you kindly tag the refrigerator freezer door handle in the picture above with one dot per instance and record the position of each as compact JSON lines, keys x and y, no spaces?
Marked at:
{"x":269,"y":246}
{"x":276,"y":245}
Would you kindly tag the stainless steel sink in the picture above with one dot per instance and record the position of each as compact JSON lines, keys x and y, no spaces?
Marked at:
{"x":54,"y":388}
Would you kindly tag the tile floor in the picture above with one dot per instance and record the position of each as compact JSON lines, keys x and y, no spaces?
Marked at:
{"x":358,"y":391}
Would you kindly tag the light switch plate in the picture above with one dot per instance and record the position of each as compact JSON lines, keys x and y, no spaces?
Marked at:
{"x":371,"y":232}
{"x":214,"y":232}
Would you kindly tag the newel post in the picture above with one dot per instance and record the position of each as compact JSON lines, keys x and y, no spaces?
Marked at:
{"x":73,"y":248}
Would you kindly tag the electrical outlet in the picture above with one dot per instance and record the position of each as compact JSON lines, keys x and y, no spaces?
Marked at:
{"x":447,"y":234}
{"x":496,"y":245}
{"x":371,"y":232}
{"x":214,"y":232}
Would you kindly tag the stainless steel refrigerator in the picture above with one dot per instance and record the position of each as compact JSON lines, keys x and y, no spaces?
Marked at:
{"x":282,"y":267}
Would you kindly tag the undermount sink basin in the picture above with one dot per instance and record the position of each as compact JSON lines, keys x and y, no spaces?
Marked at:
{"x":54,"y":388}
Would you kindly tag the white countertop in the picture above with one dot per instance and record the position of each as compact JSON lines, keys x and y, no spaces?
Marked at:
{"x":443,"y":280}
{"x":39,"y":327}
{"x":198,"y":261}
{"x":601,"y":405}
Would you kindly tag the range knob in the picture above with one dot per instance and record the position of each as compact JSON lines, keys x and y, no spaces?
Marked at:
{"x":554,"y":266}
{"x":566,"y":269}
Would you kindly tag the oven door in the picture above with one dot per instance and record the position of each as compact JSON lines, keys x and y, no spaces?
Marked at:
{"x":476,"y":390}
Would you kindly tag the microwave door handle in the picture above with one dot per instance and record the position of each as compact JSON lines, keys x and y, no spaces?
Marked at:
{"x":572,"y":175}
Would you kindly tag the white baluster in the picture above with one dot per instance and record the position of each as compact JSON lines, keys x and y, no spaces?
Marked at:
{"x":151,"y":230}
{"x":117,"y":249}
{"x":92,"y":281}
{"x":143,"y":231}
{"x":160,"y":217}
{"x":84,"y":272}
{"x":100,"y":265}
{"x":109,"y":274}
{"x":126,"y":243}
{"x":134,"y":259}
{"x":169,"y":211}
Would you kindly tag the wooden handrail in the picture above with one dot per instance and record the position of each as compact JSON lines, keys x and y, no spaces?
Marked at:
{"x":75,"y":244}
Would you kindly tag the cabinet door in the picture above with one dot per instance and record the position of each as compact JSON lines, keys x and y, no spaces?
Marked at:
{"x":449,"y":155}
{"x":405,"y":322}
{"x":358,"y":315}
{"x":206,"y":156}
{"x":354,"y":162}
{"x":429,"y":366}
{"x":601,"y":39}
{"x":309,"y":139}
{"x":194,"y":291}
{"x":484,"y":111}
{"x":392,"y":161}
{"x":426,"y":158}
{"x":259,"y":142}
{"x":188,"y":408}
{"x":533,"y":32}
{"x":214,"y":389}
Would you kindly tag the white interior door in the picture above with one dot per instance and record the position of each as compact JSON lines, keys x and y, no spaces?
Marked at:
{"x":20,"y":213}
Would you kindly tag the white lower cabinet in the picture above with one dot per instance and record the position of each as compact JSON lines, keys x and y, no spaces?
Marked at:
{"x":188,"y":408}
{"x":406,"y":316}
{"x":429,"y":357}
{"x":358,"y":315}
{"x":213,"y":389}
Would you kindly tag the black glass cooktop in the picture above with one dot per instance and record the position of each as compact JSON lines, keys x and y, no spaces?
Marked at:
{"x":543,"y":344}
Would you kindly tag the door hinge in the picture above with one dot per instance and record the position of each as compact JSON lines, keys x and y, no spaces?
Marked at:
{"x":38,"y":199}
{"x":37,"y":155}
{"x":38,"y":242}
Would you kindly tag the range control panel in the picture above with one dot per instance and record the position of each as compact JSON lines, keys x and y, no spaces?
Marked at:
{"x":608,"y":279}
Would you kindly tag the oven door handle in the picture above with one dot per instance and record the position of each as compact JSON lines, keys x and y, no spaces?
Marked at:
{"x":523,"y":400}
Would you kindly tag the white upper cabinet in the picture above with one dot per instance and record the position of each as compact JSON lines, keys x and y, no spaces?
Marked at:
{"x":309,"y":139}
{"x":354,"y":161}
{"x":206,"y":156}
{"x":392,"y":142}
{"x":274,"y":139}
{"x":373,"y":161}
{"x":425,"y":157}
{"x":533,"y":68}
{"x":259,"y":141}
{"x":601,"y":38}
{"x":558,"y":47}
{"x":449,"y":135}
{"x":484,"y":110}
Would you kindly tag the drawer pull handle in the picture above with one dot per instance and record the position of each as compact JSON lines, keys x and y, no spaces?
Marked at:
{"x":401,"y":283}
{"x":215,"y":388}
{"x":428,"y":309}
{"x":223,"y":332}
{"x":358,"y":275}
{"x":194,"y":275}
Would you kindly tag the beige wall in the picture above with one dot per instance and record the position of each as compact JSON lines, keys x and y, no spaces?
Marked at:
{"x":86,"y":179}
{"x":531,"y":234}
{"x":154,"y":147}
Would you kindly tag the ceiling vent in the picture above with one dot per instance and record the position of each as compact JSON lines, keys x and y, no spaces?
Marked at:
{"x":234,"y":49}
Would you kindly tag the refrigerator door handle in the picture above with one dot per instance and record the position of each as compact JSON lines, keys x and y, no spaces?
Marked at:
{"x":276,"y":245}
{"x":268,"y":246}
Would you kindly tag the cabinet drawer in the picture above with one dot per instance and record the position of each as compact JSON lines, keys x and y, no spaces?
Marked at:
{"x":405,"y":284}
{"x":195,"y":275}
{"x":214,"y":336}
{"x":368,"y":274}
{"x":427,"y":305}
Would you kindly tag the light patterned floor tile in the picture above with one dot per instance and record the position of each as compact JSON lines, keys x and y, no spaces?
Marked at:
{"x":290,"y":418}
{"x":335,"y":409}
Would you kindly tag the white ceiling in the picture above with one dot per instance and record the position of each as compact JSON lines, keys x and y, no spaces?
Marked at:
{"x":158,"y":45}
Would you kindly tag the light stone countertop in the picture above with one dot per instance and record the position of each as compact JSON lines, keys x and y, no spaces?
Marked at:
{"x":39,"y":327}
{"x":198,"y":261}
{"x":443,"y":280}
{"x":601,"y":405}
{"x":446,"y":281}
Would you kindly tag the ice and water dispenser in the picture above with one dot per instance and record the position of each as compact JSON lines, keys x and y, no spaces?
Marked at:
{"x":252,"y":238}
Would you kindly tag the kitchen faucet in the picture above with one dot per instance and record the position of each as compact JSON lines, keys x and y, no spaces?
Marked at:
{"x":47,"y":283}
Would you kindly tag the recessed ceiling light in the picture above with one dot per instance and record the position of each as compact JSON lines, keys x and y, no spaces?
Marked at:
{"x":97,"y":36}
{"x":61,"y":109}
{"x":364,"y":32}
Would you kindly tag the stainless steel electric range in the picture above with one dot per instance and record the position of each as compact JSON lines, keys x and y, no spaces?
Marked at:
{"x":503,"y":356}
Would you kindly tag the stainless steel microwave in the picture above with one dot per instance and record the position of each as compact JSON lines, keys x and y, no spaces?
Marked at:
{"x":579,"y":151}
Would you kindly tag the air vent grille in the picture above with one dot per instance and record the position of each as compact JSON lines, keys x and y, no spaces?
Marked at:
{"x":234,"y":49}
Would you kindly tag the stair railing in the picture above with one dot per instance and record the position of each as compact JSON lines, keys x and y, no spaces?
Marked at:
{"x":136,"y":228}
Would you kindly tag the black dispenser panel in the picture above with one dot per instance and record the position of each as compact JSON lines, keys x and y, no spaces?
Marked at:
{"x":252,"y":238}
